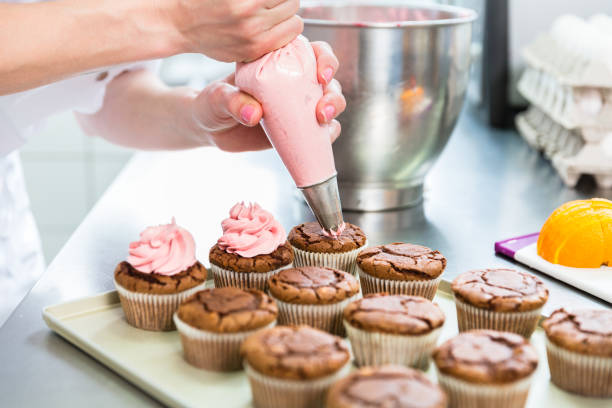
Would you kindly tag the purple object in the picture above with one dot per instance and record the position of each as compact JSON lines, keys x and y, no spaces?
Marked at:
{"x":508,"y":247}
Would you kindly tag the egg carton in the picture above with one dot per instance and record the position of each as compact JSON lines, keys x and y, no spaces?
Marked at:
{"x":576,"y":52}
{"x":571,"y":155}
{"x":572,"y":107}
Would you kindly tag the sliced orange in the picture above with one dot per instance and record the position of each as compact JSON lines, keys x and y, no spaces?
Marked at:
{"x":578,"y":234}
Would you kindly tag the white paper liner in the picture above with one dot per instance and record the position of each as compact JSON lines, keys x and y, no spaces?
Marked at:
{"x":271,"y":392}
{"x":344,"y":261}
{"x":212,"y":351}
{"x":243,"y":280}
{"x":151,"y":311}
{"x":424,"y":288}
{"x":375,"y":348}
{"x":464,"y":394}
{"x":470,"y":317}
{"x":325,"y":317}
{"x":579,"y":373}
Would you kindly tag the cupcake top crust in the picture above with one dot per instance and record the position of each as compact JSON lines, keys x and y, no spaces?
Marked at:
{"x":502,"y":290}
{"x":402,"y":262}
{"x":386,"y":386}
{"x":486,"y":357}
{"x":295,"y":352}
{"x":282,"y":256}
{"x":586,"y":331}
{"x":395,"y":314}
{"x":228,"y":310}
{"x":312,"y":285}
{"x":131,"y":279}
{"x":309,"y":237}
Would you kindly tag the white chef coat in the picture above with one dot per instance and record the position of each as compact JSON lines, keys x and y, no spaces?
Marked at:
{"x":21,"y":114}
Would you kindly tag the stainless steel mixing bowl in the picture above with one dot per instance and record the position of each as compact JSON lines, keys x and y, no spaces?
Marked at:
{"x":404,"y":71}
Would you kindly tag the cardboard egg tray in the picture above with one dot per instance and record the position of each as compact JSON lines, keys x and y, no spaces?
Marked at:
{"x":571,"y":156}
{"x":576,"y":52}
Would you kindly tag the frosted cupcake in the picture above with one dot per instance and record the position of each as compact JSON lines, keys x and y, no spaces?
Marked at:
{"x":252,"y":249}
{"x":159,"y":273}
{"x":313,"y":247}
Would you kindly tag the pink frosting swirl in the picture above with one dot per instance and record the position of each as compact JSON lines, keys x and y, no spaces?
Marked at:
{"x":250,"y":231}
{"x":164,"y":249}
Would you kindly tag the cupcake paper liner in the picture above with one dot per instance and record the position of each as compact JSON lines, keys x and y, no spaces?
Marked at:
{"x":151,"y":311}
{"x":326,"y":317}
{"x":212,"y":351}
{"x":271,"y":392}
{"x":579,"y":373}
{"x":243,"y":280}
{"x":424,"y":288}
{"x":470,"y":317}
{"x":464,"y":394}
{"x":344,"y":261}
{"x":374,"y":348}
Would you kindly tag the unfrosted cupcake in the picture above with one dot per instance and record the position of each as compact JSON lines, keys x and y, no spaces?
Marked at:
{"x":214,"y":322}
{"x":389,"y":386}
{"x":314,"y":296}
{"x":579,"y":349}
{"x":393,"y":329}
{"x":499,"y":299}
{"x":253,"y":248}
{"x":160,"y":272}
{"x":313,"y":247}
{"x":401,"y":268}
{"x":293,"y":366}
{"x":486,"y":368}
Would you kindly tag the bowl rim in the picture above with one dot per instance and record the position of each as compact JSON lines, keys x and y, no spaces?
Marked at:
{"x":463,"y":15}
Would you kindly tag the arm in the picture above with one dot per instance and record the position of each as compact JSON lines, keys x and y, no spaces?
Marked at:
{"x":140,"y":111}
{"x":44,"y":42}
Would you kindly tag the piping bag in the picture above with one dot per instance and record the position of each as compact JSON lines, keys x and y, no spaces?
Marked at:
{"x":285,"y":83}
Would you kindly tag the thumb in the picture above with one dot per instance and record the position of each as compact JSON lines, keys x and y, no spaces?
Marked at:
{"x":222,"y":105}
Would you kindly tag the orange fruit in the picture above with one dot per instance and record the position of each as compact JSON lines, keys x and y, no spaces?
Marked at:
{"x":578,"y":234}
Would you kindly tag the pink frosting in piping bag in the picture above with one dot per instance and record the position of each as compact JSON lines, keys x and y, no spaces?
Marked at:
{"x":250,"y":231}
{"x":164,"y":249}
{"x":285,"y":83}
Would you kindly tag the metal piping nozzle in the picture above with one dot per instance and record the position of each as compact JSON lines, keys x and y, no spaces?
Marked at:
{"x":324,"y":202}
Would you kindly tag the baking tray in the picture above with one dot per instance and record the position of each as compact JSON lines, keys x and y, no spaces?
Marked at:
{"x":153,"y":360}
{"x":523,"y":249}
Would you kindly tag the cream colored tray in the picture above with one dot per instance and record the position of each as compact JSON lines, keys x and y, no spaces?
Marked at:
{"x":153,"y":361}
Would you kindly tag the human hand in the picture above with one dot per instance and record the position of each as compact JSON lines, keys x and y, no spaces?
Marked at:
{"x":229,"y":118}
{"x":233,"y":30}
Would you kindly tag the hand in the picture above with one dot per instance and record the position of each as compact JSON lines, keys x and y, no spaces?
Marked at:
{"x":230,"y":117}
{"x":233,"y":30}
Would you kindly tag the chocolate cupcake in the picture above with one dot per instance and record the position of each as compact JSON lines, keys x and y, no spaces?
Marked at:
{"x":253,"y":248}
{"x":401,"y":268}
{"x":499,"y":299}
{"x":386,"y":386}
{"x":486,"y":368}
{"x":293,"y":366}
{"x":160,"y":272}
{"x":393,"y":329}
{"x":314,"y":296}
{"x":312,"y":247}
{"x":579,"y":349}
{"x":214,"y":322}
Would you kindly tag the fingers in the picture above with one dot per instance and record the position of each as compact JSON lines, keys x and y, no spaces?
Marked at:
{"x":276,"y":37}
{"x":331,"y":104}
{"x":280,"y":12}
{"x":327,"y":63}
{"x":241,"y":139}
{"x":222,"y":105}
{"x":334,"y":130}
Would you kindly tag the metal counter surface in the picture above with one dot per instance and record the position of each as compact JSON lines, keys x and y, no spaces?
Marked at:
{"x":487,"y":185}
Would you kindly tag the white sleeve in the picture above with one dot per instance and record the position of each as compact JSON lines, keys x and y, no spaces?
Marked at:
{"x":22,"y":113}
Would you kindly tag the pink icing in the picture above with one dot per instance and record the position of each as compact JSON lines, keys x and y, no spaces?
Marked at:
{"x":164,"y":249}
{"x":250,"y":231}
{"x":285,"y":83}
{"x":334,"y":234}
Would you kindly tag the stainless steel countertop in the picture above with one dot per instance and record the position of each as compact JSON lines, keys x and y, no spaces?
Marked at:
{"x":486,"y":186}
